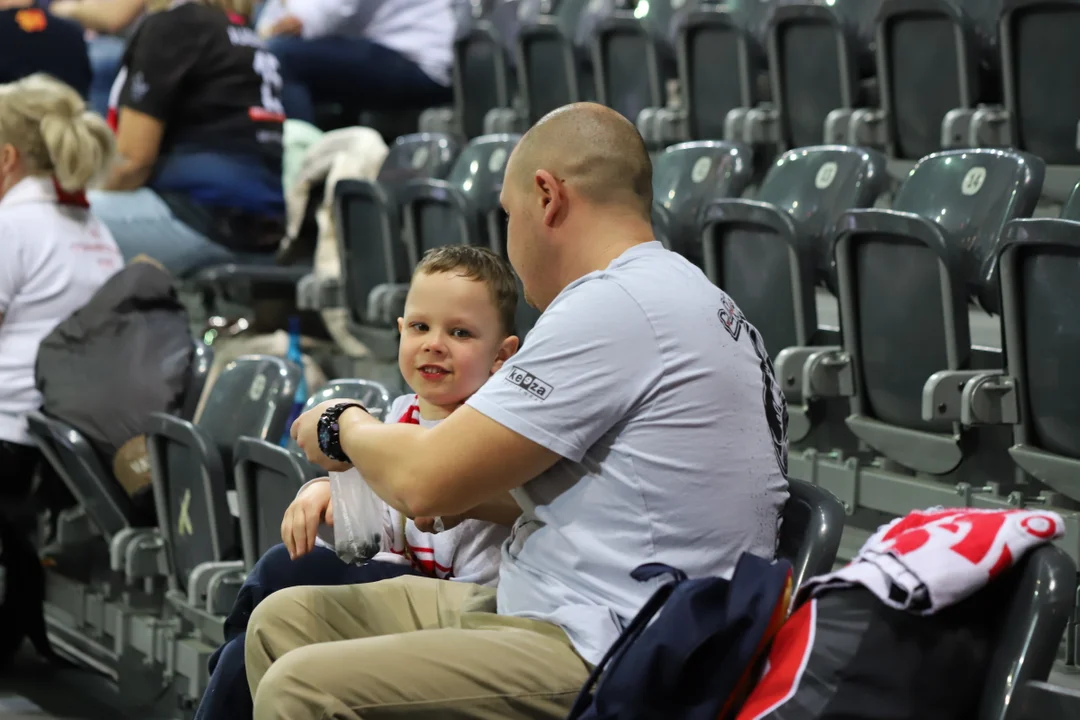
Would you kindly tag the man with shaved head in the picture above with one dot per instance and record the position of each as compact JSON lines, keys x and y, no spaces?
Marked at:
{"x":639,"y":423}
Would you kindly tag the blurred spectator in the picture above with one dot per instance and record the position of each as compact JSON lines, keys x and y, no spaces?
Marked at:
{"x":362,"y":54}
{"x":111,"y":21}
{"x":35,"y":41}
{"x":54,"y":254}
{"x":199,"y":131}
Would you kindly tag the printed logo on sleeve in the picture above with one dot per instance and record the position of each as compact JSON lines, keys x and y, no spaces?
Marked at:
{"x":529,"y":383}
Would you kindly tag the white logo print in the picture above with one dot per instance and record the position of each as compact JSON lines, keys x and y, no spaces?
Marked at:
{"x":825,"y":176}
{"x":973,"y":181}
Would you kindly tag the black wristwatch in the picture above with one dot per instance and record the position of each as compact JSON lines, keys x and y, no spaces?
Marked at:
{"x":330,"y":433}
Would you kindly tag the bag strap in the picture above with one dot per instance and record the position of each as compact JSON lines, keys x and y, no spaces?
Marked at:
{"x":632,"y":631}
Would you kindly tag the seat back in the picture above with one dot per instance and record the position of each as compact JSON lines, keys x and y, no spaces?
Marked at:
{"x":553,"y":65}
{"x":719,"y":61}
{"x":368,"y":219}
{"x":192,"y":465}
{"x":686,"y":177}
{"x":74,"y":459}
{"x":1041,"y":593}
{"x":928,"y":64}
{"x":810,"y":531}
{"x":456,"y":212}
{"x":968,"y":196}
{"x":812,"y":67}
{"x":1040,"y":286}
{"x":202,"y":359}
{"x":757,"y":261}
{"x":971,"y":194}
{"x":481,"y":70}
{"x":1037,"y":42}
{"x":633,"y":56}
{"x":268,"y":477}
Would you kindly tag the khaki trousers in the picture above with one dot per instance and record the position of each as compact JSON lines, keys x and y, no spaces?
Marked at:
{"x":410,"y":647}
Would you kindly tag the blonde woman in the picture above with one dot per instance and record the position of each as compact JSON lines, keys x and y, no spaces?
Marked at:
{"x":54,"y":254}
{"x":199,"y":132}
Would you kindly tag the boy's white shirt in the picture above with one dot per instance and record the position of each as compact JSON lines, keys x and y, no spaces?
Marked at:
{"x":469,"y":552}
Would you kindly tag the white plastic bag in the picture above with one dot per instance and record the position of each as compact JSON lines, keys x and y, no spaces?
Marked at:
{"x":358,"y":517}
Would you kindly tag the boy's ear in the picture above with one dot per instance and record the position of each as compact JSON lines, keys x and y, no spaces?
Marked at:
{"x":400,"y":325}
{"x":506,"y":350}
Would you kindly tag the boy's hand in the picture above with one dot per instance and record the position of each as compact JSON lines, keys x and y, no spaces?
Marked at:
{"x":302,"y":518}
{"x":427,"y":524}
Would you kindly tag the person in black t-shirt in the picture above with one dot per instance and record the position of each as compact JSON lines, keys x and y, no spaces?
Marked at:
{"x":199,"y":122}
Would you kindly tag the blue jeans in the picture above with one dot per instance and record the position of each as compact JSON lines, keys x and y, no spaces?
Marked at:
{"x":355,"y":72}
{"x":227,"y":696}
{"x":106,"y":57}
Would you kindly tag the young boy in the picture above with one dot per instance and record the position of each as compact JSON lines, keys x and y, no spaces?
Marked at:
{"x":458,"y":329}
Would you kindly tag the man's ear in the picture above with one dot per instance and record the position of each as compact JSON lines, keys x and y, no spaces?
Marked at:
{"x":509,"y":346}
{"x":400,"y":325}
{"x":552,"y":194}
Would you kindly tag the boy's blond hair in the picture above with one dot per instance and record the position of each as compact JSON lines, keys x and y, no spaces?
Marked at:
{"x":478,"y":263}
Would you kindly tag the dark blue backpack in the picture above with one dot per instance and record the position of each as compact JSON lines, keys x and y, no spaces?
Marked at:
{"x":698,"y":660}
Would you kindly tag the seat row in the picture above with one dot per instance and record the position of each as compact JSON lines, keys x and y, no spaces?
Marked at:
{"x":221,"y":485}
{"x":906,"y":284}
{"x":909,"y":77}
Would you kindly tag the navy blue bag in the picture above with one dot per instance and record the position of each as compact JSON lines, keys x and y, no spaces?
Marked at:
{"x":697,"y":661}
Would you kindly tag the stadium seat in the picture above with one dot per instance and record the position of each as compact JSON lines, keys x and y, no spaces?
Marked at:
{"x":1041,"y":103}
{"x":461,"y":209}
{"x":1036,"y":700}
{"x":817,"y":55}
{"x":770,"y":254}
{"x":192,"y":474}
{"x":685,"y":178}
{"x":88,"y":476}
{"x":721,"y":62}
{"x":374,"y":260}
{"x":553,"y":63}
{"x":483,"y":77}
{"x":1041,"y":595}
{"x":268,"y":476}
{"x":928,"y":64}
{"x":633,"y":57}
{"x":906,"y":277}
{"x":1036,"y":390}
{"x":813,"y":522}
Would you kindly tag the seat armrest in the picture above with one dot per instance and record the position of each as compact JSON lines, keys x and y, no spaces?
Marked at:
{"x":942,"y":392}
{"x":222,"y":590}
{"x":990,"y":398}
{"x":789,"y":365}
{"x":198,"y":583}
{"x":261,"y":274}
{"x":828,"y":374}
{"x":319,"y":293}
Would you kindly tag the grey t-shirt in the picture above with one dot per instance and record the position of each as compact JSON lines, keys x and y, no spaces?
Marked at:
{"x":661,"y":399}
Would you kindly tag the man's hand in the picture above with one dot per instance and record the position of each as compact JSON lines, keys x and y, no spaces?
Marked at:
{"x":302,"y":518}
{"x":306,"y":433}
{"x":288,"y":25}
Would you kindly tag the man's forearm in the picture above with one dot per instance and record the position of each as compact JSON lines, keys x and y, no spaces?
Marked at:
{"x":382,"y":454}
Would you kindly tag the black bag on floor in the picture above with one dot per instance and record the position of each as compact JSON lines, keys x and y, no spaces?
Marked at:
{"x":845,"y":655}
